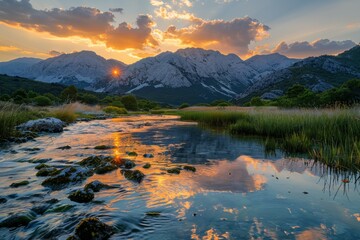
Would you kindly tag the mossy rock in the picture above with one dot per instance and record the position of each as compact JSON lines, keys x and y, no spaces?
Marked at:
{"x":92,"y":228}
{"x":18,"y":219}
{"x":82,"y":196}
{"x":49,"y":171}
{"x":147,"y":165}
{"x":153,"y":214}
{"x":60,"y":209}
{"x":105,"y":168}
{"x":148,"y":155}
{"x":174,"y":170}
{"x":95,"y":161}
{"x":132,"y":154}
{"x":19,"y":184}
{"x":103,"y":147}
{"x":125,"y":163}
{"x":133,"y":175}
{"x":190,"y":168}
{"x":67,"y":147}
{"x":66,"y":176}
{"x":42,"y":165}
{"x":96,"y":186}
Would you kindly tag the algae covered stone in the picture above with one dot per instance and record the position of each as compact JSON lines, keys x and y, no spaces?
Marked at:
{"x":175,"y":170}
{"x":18,"y":219}
{"x":96,"y":186}
{"x":82,"y":196}
{"x":133,"y":175}
{"x":19,"y":184}
{"x":92,"y":228}
{"x":147,"y":165}
{"x":190,"y":168}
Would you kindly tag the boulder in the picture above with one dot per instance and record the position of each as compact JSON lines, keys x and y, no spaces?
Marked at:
{"x":133,"y":175}
{"x":18,"y":219}
{"x":92,"y":228}
{"x":51,"y":125}
{"x":82,"y":196}
{"x":96,"y":186}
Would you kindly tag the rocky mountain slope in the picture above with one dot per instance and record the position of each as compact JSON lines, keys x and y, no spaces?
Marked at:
{"x":17,"y":66}
{"x":194,"y":75}
{"x":317,"y":73}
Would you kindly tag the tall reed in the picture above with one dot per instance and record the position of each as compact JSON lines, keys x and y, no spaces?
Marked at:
{"x":330,"y":136}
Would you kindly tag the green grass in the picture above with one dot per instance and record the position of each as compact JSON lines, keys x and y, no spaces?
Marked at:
{"x":115,"y":110}
{"x":329,"y":136}
{"x":12,"y":115}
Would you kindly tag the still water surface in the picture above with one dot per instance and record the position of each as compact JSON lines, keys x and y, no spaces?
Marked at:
{"x":237,"y":192}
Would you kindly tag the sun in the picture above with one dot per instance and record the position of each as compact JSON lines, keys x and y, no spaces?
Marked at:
{"x":115,"y":72}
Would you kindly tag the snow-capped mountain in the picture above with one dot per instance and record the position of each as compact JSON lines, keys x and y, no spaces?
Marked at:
{"x":194,"y":75}
{"x":190,"y":75}
{"x":17,"y":66}
{"x":82,"y":69}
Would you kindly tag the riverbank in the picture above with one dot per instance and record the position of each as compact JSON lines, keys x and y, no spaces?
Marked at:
{"x":331,"y":136}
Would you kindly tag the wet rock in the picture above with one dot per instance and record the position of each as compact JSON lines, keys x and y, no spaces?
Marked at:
{"x":96,"y":186}
{"x":105,"y":168}
{"x":305,"y":193}
{"x":41,"y":209}
{"x":18,"y":219}
{"x":67,"y":147}
{"x":147,"y":165}
{"x":133,"y":175}
{"x":148,"y":155}
{"x":47,"y":171}
{"x":92,"y":228}
{"x":190,"y":168}
{"x":153,"y":214}
{"x":132,"y":154}
{"x":52,"y":125}
{"x":103,"y":147}
{"x":31,"y":149}
{"x":60,"y":209}
{"x":95,"y":161}
{"x":52,"y":201}
{"x":175,"y":170}
{"x":81,"y":196}
{"x":3,"y":200}
{"x":125,"y":163}
{"x":66,"y":176}
{"x":19,"y":184}
{"x":42,"y":165}
{"x":42,"y":160}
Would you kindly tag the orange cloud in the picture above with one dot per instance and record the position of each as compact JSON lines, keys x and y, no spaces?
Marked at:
{"x":85,"y":22}
{"x":227,"y":36}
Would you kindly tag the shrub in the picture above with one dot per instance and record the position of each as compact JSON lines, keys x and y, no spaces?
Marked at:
{"x":42,"y":101}
{"x":130,"y":102}
{"x":184,"y":105}
{"x":65,"y":113}
{"x":115,"y":110}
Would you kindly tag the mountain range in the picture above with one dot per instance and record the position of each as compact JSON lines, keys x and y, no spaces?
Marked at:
{"x":190,"y":75}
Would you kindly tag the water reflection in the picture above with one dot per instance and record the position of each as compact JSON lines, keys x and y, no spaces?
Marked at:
{"x":237,"y":192}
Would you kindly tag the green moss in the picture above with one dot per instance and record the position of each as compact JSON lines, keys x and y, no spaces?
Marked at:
{"x":132,"y":154}
{"x":19,"y":184}
{"x":47,"y":171}
{"x":81,"y":196}
{"x":105,"y":168}
{"x":133,"y":175}
{"x":190,"y":168}
{"x":153,"y":214}
{"x":103,"y":147}
{"x":60,"y":209}
{"x":42,"y":165}
{"x":174,"y":170}
{"x":147,"y":165}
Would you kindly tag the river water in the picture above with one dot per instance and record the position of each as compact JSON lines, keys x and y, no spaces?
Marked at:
{"x":237,"y":191}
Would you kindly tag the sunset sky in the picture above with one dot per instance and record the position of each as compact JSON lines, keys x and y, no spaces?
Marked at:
{"x":128,"y":30}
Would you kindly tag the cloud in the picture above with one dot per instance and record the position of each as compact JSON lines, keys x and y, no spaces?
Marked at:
{"x":316,"y":48}
{"x":116,"y":10}
{"x":156,"y":3}
{"x":167,"y":13}
{"x":226,"y":36}
{"x":125,"y":36}
{"x":83,"y":22}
